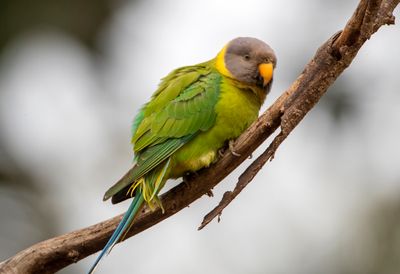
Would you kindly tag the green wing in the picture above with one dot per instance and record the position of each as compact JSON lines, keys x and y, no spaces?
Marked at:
{"x":182,"y":107}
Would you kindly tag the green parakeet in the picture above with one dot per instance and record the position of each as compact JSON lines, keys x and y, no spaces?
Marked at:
{"x":193,"y":113}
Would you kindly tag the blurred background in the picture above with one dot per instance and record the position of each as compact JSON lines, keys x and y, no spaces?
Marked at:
{"x":74,"y":73}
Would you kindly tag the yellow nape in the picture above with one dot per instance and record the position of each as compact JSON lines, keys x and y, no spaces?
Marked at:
{"x":220,"y":63}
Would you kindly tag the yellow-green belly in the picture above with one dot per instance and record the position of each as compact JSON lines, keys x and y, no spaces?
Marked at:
{"x":236,"y":110}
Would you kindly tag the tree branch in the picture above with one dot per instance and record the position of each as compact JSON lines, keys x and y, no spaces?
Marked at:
{"x":329,"y":62}
{"x":287,"y":111}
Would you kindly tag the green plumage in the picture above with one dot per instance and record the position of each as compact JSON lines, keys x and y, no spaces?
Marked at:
{"x":193,"y":113}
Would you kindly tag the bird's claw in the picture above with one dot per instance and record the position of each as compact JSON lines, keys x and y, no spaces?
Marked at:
{"x":221,"y":152}
{"x":231,"y":149}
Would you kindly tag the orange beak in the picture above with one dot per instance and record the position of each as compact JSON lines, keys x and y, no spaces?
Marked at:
{"x":266,"y":71}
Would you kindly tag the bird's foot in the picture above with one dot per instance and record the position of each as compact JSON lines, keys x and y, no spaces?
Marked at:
{"x":231,"y":142}
{"x":221,"y":152}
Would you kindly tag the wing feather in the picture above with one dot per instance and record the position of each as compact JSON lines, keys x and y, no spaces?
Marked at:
{"x":171,"y":119}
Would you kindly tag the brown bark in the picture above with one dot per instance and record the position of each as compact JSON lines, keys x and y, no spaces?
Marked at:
{"x":331,"y":59}
{"x":288,"y":110}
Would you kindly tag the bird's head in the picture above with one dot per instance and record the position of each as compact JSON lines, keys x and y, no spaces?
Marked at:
{"x":247,"y":60}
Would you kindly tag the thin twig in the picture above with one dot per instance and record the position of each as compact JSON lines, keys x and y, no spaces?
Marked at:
{"x":318,"y":75}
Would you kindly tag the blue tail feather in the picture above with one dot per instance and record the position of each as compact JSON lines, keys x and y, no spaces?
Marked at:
{"x":121,"y":229}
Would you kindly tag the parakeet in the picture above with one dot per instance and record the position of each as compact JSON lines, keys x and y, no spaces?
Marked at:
{"x":193,"y":113}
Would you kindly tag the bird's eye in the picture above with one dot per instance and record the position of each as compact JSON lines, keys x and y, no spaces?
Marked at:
{"x":247,"y":57}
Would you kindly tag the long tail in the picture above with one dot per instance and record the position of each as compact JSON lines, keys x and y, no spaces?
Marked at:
{"x":147,"y":189}
{"x":121,"y":229}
